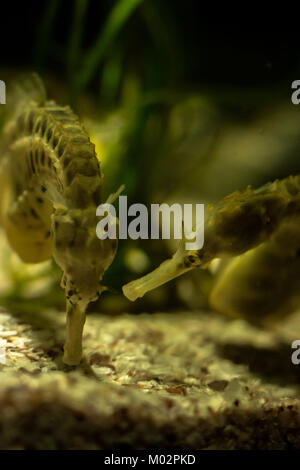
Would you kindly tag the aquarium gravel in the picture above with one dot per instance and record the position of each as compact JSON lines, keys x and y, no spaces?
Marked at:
{"x":149,"y":381}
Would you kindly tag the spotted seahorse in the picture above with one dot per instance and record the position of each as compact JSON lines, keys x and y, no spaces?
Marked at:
{"x":50,"y":186}
{"x":257,"y":233}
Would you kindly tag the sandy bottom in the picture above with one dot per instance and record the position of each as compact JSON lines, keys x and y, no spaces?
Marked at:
{"x":185,"y":380}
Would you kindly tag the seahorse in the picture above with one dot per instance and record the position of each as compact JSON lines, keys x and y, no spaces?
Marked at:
{"x":256,"y":232}
{"x":50,"y":186}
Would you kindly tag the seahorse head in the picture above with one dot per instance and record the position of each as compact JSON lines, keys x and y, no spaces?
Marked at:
{"x":81,"y":255}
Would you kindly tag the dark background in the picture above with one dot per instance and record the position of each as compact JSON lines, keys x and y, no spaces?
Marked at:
{"x":212,"y":48}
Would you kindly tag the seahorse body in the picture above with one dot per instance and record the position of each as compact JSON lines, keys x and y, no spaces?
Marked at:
{"x":50,"y":184}
{"x":257,"y":232}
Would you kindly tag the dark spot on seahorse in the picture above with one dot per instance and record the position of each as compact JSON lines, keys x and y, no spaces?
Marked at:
{"x":43,"y":126}
{"x":31,"y":161}
{"x":36,"y":157}
{"x":37,"y":126}
{"x":96,"y":196}
{"x":47,"y":234}
{"x":49,"y":134}
{"x":40,"y":200}
{"x":69,"y":176}
{"x":33,"y":213}
{"x":43,"y":189}
{"x":56,"y":224}
{"x":49,"y":162}
{"x":42,"y":157}
{"x":70,"y":293}
{"x":55,"y":141}
{"x":188,"y":261}
{"x":61,"y":148}
{"x":30,"y":121}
